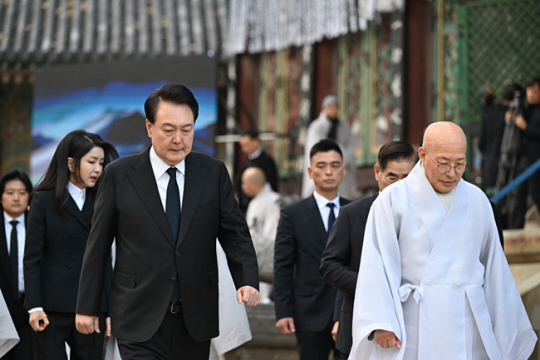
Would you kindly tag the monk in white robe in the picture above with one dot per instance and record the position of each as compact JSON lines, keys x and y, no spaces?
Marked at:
{"x":8,"y":334}
{"x":234,"y":327}
{"x":434,"y":282}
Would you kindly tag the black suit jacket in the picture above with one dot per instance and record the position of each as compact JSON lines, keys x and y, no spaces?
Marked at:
{"x":148,"y":262}
{"x":53,"y":256}
{"x":267,"y":164}
{"x":531,"y":134}
{"x":341,"y":261}
{"x":299,"y":290}
{"x":17,"y":312}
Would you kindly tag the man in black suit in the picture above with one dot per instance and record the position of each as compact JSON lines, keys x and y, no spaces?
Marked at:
{"x":15,"y":187}
{"x":341,"y":258}
{"x":166,"y":207}
{"x":256,"y":157}
{"x":304,"y":303}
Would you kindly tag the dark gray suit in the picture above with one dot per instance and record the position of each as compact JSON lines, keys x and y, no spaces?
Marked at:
{"x":299,"y":290}
{"x":148,"y":263}
{"x":341,"y":261}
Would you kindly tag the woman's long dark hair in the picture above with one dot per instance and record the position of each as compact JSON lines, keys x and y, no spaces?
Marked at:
{"x":74,"y":145}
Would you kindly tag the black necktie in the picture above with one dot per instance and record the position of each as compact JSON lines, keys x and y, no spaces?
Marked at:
{"x":331,"y":216}
{"x":172,"y":211}
{"x":14,"y":256}
{"x":172,"y":203}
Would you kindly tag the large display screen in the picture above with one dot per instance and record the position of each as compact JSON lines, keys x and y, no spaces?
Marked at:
{"x":108,"y":99}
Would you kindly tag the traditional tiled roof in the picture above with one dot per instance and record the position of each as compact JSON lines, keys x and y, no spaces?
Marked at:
{"x":48,"y":31}
{"x":269,"y":25}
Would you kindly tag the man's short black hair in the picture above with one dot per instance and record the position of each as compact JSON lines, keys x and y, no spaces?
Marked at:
{"x":172,"y":93}
{"x":534,"y":81}
{"x":325,"y":145}
{"x":396,"y":151}
{"x":252,"y":133}
{"x":15,"y":175}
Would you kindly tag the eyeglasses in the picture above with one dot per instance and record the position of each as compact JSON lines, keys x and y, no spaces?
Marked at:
{"x":444,"y":168}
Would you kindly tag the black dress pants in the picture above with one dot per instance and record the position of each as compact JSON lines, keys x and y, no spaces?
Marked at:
{"x":50,"y":344}
{"x":314,"y":345}
{"x":171,"y":342}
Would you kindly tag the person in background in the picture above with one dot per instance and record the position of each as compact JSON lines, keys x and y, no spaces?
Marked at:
{"x":328,"y":126}
{"x":256,"y":157}
{"x":341,"y":258}
{"x":59,"y":222}
{"x":16,"y":188}
{"x":262,"y":219}
{"x":304,"y":302}
{"x":529,"y":124}
{"x":491,"y":135}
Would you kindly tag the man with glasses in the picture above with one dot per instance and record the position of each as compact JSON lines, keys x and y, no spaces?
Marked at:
{"x":433,"y":281}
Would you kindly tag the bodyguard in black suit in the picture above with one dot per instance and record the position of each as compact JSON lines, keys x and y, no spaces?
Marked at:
{"x":341,"y":258}
{"x":304,"y":303}
{"x":166,"y":206}
{"x":15,"y":187}
{"x":58,"y":226}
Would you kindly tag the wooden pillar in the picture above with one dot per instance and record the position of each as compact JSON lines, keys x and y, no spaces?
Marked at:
{"x":326,"y":72}
{"x":419,"y":65}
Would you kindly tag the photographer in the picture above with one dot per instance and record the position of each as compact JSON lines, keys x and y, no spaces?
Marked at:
{"x":491,"y":135}
{"x":529,"y":124}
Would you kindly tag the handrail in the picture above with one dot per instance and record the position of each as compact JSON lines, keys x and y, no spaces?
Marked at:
{"x":518,"y":180}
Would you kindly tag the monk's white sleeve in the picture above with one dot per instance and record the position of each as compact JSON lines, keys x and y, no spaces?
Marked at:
{"x":511,"y":326}
{"x":377,"y":304}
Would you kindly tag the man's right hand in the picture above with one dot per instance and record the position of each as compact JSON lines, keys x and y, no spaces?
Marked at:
{"x":285,"y":325}
{"x":386,"y":339}
{"x":38,"y":320}
{"x":335,"y":330}
{"x":87,"y":324}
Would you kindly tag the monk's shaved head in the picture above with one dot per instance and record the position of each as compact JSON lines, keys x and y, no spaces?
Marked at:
{"x":444,"y":145}
{"x":444,"y":133}
{"x":255,"y":175}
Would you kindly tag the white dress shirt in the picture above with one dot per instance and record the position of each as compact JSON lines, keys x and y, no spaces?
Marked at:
{"x":325,"y":210}
{"x":162,"y":178}
{"x":255,"y":154}
{"x":21,"y":236}
{"x":78,"y":194}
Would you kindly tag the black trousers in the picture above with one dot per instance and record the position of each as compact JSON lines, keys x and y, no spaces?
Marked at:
{"x":534,"y":188}
{"x":314,"y":345}
{"x":50,"y":344}
{"x":24,"y":348}
{"x":340,"y":356}
{"x":520,"y":206}
{"x":171,"y":342}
